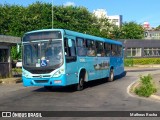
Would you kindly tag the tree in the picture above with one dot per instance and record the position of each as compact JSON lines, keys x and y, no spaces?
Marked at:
{"x":115,"y":33}
{"x":15,"y":20}
{"x":131,"y":30}
{"x":104,"y":26}
{"x":157,"y":28}
{"x":74,"y":18}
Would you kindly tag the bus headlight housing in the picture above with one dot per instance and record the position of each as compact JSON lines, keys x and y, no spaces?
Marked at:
{"x":58,"y":73}
{"x":25,"y":74}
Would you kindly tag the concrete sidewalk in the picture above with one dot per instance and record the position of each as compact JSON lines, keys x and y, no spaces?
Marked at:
{"x":140,"y":67}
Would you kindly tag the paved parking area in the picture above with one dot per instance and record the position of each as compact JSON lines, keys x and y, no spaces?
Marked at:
{"x":6,"y":88}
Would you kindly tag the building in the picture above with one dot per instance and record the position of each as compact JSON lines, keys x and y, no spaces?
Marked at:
{"x":115,"y":19}
{"x":152,"y":34}
{"x":138,"y":48}
{"x":146,"y":25}
{"x":5,"y":59}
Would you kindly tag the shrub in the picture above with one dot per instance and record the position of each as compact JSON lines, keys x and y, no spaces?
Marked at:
{"x":146,"y":87}
{"x":141,"y":61}
{"x":128,"y":62}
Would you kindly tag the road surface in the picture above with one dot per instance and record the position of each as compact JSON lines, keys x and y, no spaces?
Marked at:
{"x":97,"y":96}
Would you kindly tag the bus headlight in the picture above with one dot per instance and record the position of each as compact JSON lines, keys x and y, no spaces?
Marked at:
{"x":58,"y":73}
{"x":25,"y":74}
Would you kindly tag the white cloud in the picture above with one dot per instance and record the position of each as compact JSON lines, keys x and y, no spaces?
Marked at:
{"x":69,"y":4}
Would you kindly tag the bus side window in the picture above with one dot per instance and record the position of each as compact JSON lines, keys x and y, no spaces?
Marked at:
{"x":81,"y":47}
{"x":100,"y":49}
{"x":119,"y":50}
{"x":107,"y":48}
{"x":114,"y":50}
{"x":70,"y":52}
{"x":91,"y":48}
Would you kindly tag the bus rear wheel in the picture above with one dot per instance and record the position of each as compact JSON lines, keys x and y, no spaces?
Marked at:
{"x":111,"y":76}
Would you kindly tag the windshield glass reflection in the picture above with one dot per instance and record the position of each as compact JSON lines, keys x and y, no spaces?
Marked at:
{"x":43,"y":54}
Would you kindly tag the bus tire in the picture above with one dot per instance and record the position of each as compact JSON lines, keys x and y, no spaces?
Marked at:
{"x":111,"y":75}
{"x":80,"y":85}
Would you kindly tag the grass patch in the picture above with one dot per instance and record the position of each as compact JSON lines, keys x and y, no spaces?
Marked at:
{"x":146,"y":87}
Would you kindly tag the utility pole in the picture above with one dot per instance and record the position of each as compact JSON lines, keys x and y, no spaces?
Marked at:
{"x":52,"y":14}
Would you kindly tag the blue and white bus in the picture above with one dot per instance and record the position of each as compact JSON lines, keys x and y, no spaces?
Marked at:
{"x":59,"y":57}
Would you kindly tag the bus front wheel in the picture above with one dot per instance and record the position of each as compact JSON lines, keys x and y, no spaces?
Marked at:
{"x":80,"y":85}
{"x":111,"y":76}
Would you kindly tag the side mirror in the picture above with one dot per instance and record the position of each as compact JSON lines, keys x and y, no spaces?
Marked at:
{"x":69,"y":42}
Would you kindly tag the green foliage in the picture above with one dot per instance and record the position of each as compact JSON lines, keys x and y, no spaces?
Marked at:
{"x":146,"y":87}
{"x":128,"y":62}
{"x":157,"y":28}
{"x":14,"y":54}
{"x":141,"y":61}
{"x":131,"y":30}
{"x":72,"y":18}
{"x":15,"y":20}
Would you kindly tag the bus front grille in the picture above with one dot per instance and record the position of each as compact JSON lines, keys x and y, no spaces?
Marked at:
{"x":41,"y":81}
{"x":40,"y":71}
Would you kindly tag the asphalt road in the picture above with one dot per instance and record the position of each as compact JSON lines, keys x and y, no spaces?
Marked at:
{"x":97,"y":96}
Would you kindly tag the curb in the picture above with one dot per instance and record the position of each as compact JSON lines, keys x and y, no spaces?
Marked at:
{"x":155,"y":97}
{"x":133,"y":86}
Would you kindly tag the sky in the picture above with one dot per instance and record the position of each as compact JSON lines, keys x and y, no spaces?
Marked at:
{"x":139,"y":11}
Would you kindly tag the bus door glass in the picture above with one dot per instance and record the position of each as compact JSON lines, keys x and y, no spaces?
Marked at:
{"x":71,"y":60}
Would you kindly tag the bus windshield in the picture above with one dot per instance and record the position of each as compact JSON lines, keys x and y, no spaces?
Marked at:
{"x":42,"y":54}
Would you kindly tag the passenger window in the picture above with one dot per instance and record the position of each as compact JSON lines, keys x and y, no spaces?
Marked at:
{"x":91,"y":49}
{"x":119,"y":50}
{"x":114,"y":50}
{"x":107,"y":48}
{"x":81,"y":42}
{"x":81,"y":47}
{"x":100,"y":49}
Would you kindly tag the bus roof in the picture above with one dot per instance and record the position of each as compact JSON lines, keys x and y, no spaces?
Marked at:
{"x":86,"y":36}
{"x":77,"y":34}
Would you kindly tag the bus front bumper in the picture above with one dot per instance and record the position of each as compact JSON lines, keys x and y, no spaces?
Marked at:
{"x":59,"y":81}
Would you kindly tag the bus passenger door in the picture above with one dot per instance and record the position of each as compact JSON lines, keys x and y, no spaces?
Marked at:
{"x":71,"y":60}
